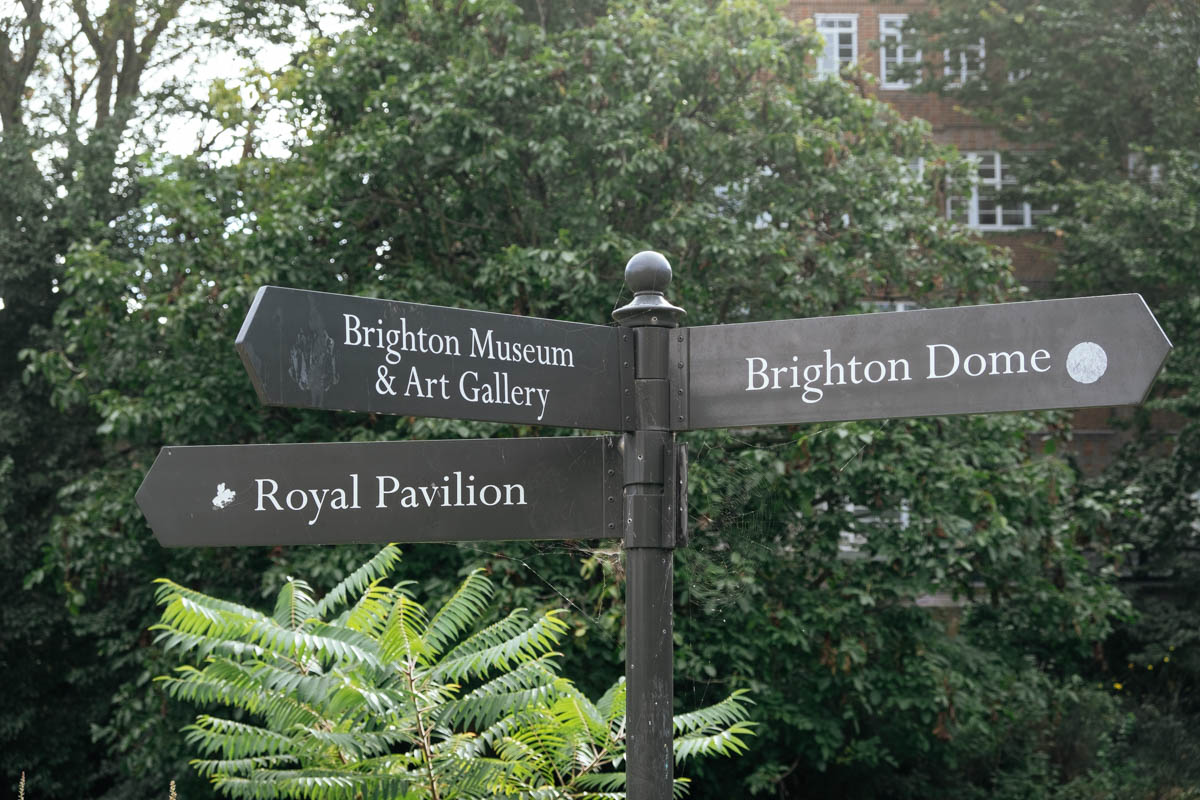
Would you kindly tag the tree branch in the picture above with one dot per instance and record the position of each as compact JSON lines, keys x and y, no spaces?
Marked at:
{"x":15,"y":72}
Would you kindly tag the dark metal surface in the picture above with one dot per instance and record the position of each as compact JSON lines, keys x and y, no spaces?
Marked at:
{"x":436,"y":491}
{"x":651,"y":508}
{"x":649,"y":672}
{"x":676,"y":521}
{"x":1092,"y":351}
{"x":330,"y":351}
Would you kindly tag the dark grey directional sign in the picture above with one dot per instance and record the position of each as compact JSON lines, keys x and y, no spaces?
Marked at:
{"x":435,"y":491}
{"x":330,"y":351}
{"x":1089,"y":351}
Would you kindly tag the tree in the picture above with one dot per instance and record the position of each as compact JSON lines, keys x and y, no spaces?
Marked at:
{"x":1107,"y":93}
{"x":81,"y":101}
{"x":366,"y":693}
{"x":1048,"y":76}
{"x":469,"y":156}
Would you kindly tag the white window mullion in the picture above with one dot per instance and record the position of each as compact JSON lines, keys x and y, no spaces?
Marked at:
{"x":840,"y":33}
{"x":892,"y":52}
{"x":983,"y":209}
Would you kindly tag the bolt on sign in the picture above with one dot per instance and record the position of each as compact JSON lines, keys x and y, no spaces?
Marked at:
{"x":644,"y":378}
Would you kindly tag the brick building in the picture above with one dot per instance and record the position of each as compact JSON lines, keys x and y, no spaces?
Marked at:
{"x":871,"y":36}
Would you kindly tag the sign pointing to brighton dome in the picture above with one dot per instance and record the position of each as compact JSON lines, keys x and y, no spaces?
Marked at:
{"x":1089,"y":351}
{"x":330,"y":351}
{"x":318,"y":350}
{"x":428,"y":491}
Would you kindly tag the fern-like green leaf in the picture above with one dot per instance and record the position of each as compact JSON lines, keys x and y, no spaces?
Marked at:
{"x":726,"y":741}
{"x":726,"y":712}
{"x":317,"y":640}
{"x":370,"y":611}
{"x":235,"y":739}
{"x":579,"y":715}
{"x":379,"y":566}
{"x":294,"y":604}
{"x":460,"y":613}
{"x":402,"y":637}
{"x":241,"y":766}
{"x":512,"y":640}
{"x":530,"y":684}
{"x":315,"y":784}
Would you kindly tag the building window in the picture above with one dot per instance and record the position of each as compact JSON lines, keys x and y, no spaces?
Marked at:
{"x":981,"y":208}
{"x":893,"y":53}
{"x":840,"y":32}
{"x":963,"y":65}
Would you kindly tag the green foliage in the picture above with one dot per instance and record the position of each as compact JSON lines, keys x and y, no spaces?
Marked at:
{"x":366,"y":694}
{"x":1117,"y":158}
{"x":1049,"y":74}
{"x":464,"y":155}
{"x":1145,"y":234}
{"x":877,"y":685}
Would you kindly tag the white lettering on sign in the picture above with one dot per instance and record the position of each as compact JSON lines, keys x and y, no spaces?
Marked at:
{"x":1086,"y":363}
{"x":945,"y":360}
{"x":340,"y":498}
{"x":457,"y":490}
{"x":449,"y":494}
{"x":398,"y":340}
{"x":811,"y":377}
{"x":543,"y":355}
{"x":496,"y":389}
{"x":485,"y":388}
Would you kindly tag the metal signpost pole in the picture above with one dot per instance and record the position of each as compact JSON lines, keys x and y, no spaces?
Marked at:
{"x":652,"y":509}
{"x":648,"y":378}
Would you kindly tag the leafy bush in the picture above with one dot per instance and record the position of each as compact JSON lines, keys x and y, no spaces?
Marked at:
{"x":364,"y":693}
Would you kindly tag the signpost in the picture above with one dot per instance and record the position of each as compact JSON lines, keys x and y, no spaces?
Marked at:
{"x":1088,"y":351}
{"x":335,"y":352}
{"x":645,"y":378}
{"x":439,"y":491}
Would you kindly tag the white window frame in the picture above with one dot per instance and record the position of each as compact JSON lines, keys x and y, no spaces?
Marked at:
{"x":891,"y":28}
{"x":957,"y":65}
{"x":995,"y":184}
{"x":832,"y":45}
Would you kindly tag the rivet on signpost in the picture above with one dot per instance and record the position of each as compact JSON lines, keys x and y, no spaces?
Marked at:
{"x":651,"y":506}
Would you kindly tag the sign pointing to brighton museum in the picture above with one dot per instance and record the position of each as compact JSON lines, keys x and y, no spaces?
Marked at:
{"x":317,"y":350}
{"x":1088,"y":351}
{"x":428,"y":491}
{"x":330,"y":351}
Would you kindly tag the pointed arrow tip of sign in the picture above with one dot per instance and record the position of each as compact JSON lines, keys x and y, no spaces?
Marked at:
{"x":1166,"y":339}
{"x":248,"y":321}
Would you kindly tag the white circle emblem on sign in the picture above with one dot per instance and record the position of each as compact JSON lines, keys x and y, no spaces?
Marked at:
{"x":1086,"y":362}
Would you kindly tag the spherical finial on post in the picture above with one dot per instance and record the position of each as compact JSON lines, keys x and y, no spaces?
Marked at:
{"x":648,"y":274}
{"x":648,"y":271}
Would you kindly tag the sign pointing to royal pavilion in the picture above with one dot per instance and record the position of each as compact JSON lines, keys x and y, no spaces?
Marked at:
{"x":329,"y":351}
{"x":646,"y":378}
{"x":428,"y":491}
{"x":1088,"y":351}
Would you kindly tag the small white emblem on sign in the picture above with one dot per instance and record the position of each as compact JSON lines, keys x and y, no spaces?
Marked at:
{"x":224,"y":496}
{"x":1086,"y":362}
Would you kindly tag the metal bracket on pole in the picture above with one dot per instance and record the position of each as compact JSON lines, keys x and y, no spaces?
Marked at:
{"x":678,"y":375}
{"x":654,"y":467}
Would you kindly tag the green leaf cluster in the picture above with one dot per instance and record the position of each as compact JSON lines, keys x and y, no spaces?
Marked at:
{"x":1106,"y":96}
{"x":364,"y":693}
